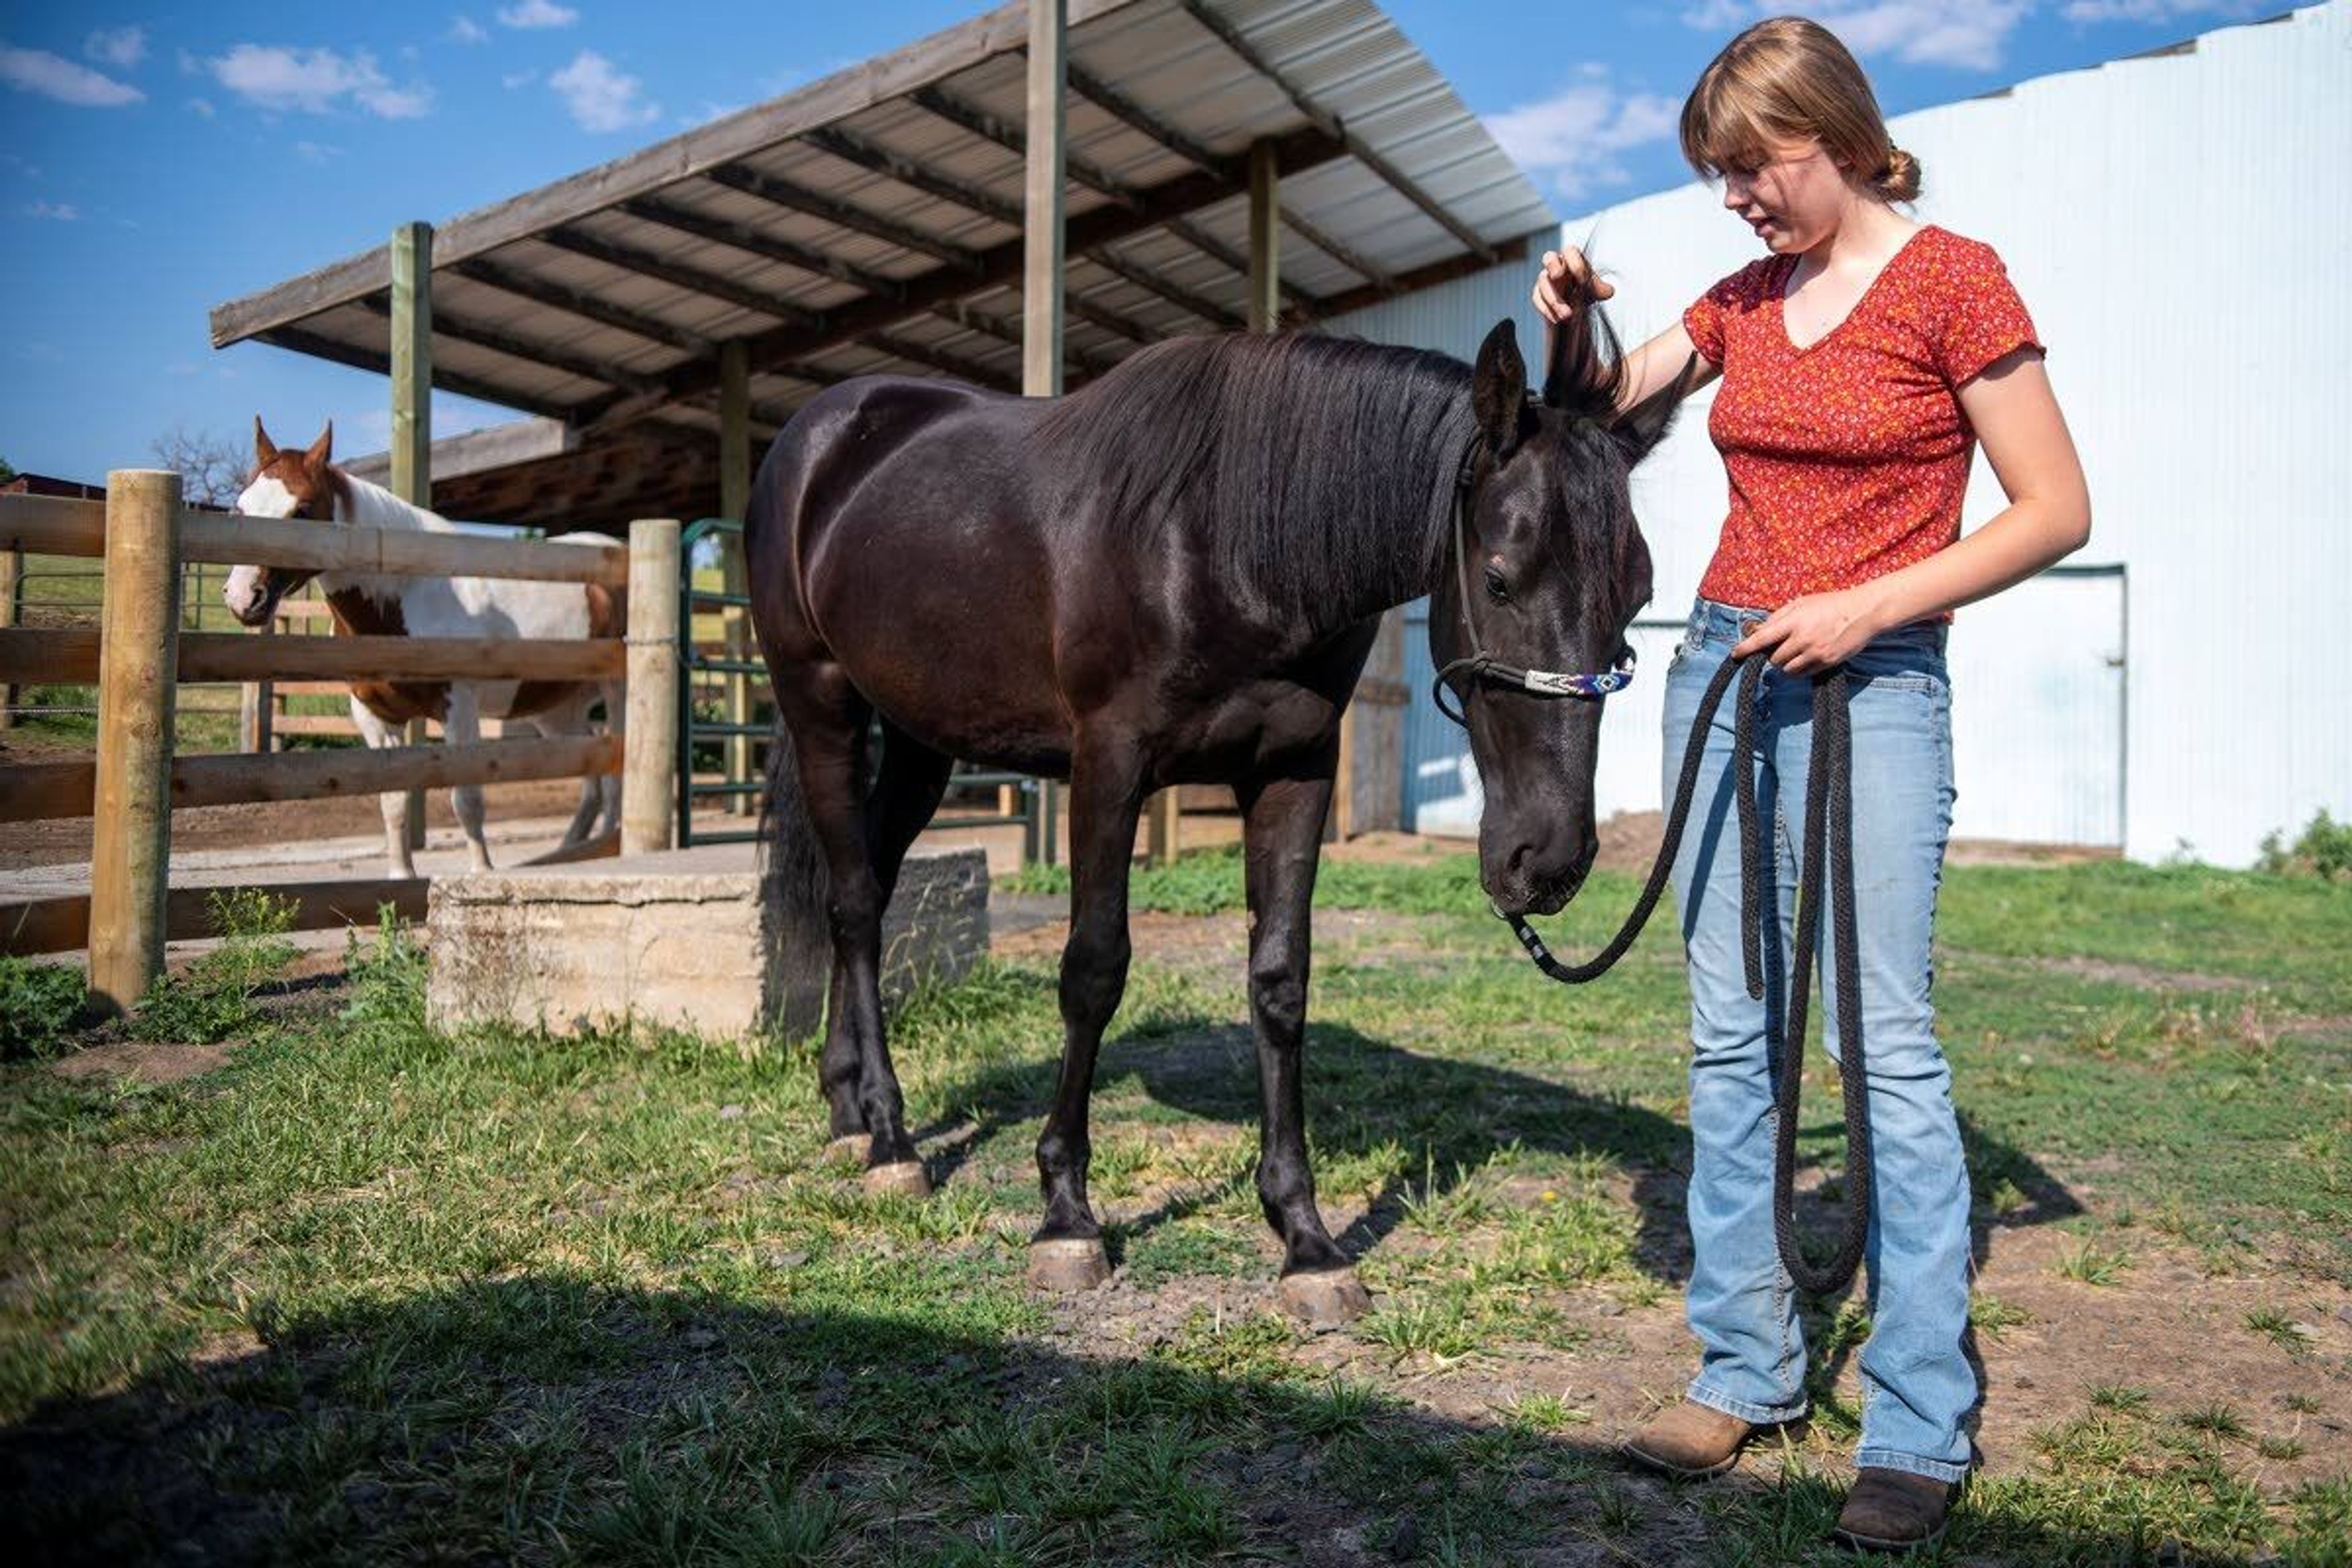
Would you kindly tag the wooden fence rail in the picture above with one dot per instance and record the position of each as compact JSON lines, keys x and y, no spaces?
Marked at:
{"x":138,"y":656}
{"x":71,"y":654}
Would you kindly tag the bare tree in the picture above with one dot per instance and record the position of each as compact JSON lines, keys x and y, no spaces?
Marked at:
{"x":212,"y":467}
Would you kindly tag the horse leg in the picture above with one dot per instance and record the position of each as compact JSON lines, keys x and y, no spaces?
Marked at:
{"x":461,"y":725}
{"x":379,"y":735}
{"x":572,"y":718}
{"x":609,"y":787}
{"x":1282,"y":827}
{"x":1106,"y":798}
{"x":829,"y":721}
{"x":907,"y":788}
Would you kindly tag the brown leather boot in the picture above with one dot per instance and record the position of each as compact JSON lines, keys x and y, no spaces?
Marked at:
{"x":1694,"y":1441}
{"x":1894,"y":1510}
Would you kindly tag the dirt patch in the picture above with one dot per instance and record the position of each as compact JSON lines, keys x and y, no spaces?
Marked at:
{"x":2137,"y":975}
{"x":142,"y":1063}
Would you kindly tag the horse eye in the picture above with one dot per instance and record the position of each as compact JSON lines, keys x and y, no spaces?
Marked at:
{"x":1496,"y":589}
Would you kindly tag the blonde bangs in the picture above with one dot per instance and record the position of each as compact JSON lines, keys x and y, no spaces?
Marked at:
{"x":1788,"y":81}
{"x":1727,"y":124}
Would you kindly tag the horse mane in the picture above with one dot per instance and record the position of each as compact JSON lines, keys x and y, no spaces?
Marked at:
{"x":1320,"y":470}
{"x":373,"y":506}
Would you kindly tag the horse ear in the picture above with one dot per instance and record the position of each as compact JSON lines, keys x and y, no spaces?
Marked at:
{"x":324,"y":449}
{"x":1639,"y":429}
{"x":265,"y":450}
{"x":1499,"y":387}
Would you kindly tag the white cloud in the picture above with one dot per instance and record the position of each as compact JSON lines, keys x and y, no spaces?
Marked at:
{"x":62,"y":212}
{"x":120,"y":47}
{"x":602,"y":98}
{"x":317,"y":81}
{"x":537,"y":13}
{"x":316,"y":152}
{"x":203,"y":106}
{"x":513,"y":80}
{"x":51,"y":76}
{"x":1571,"y":138}
{"x":465,"y":31}
{"x":2157,"y":10}
{"x":1968,"y":34}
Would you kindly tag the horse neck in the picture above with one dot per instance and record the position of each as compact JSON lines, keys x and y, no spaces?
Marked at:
{"x":361,"y":504}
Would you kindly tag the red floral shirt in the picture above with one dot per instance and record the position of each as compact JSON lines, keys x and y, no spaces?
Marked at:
{"x":1849,"y":459}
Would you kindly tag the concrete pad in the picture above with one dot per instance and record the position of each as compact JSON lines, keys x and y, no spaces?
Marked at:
{"x":682,"y":938}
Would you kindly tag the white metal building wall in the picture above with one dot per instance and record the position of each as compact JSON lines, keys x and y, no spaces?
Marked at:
{"x":2180,"y":224}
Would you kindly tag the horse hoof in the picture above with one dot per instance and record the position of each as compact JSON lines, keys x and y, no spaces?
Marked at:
{"x":1065,"y":1265}
{"x":1324,"y":1298}
{"x":906,"y":1176}
{"x":851,"y":1148}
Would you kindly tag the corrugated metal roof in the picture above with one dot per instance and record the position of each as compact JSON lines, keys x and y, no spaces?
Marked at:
{"x":871,"y":221}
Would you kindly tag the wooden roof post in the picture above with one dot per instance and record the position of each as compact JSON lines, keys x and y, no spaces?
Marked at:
{"x":1041,"y":281}
{"x":412,"y":410}
{"x":734,"y":499}
{"x":1041,"y":290}
{"x":1264,"y":238}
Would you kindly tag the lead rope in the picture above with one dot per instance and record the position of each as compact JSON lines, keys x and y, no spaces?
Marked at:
{"x":1828,"y":831}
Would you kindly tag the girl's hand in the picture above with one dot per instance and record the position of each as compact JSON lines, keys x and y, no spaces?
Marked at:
{"x":1565,"y":274}
{"x":1816,"y":631}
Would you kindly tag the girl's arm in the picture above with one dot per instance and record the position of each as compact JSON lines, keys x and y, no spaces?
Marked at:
{"x":2048,"y":518}
{"x":1648,"y":368}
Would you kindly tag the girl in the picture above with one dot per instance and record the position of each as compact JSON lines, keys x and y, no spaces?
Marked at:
{"x":1862,"y":360}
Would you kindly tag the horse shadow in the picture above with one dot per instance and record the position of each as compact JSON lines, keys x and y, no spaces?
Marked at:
{"x":1366,"y":1094}
{"x":542,"y":1414}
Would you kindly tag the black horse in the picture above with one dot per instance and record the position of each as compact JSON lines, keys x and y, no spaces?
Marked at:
{"x":1171,"y":576}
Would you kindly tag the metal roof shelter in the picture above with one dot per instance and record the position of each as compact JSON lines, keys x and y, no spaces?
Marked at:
{"x":876,"y":221}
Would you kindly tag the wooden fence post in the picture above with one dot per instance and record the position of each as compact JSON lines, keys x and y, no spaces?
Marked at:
{"x":412,"y":412}
{"x":649,"y":781}
{"x":139,"y":668}
{"x":12,"y":578}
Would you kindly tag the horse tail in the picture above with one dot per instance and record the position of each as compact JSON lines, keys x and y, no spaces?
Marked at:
{"x":795,"y":887}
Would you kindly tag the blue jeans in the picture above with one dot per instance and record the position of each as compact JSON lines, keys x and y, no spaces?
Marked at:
{"x":1917,"y":1385}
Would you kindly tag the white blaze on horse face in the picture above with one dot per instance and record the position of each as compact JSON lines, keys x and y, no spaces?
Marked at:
{"x":267,"y":497}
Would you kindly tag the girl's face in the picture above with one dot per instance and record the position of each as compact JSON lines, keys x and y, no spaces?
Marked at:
{"x":1794,"y":200}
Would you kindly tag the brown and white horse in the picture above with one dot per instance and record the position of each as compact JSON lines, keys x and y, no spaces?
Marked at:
{"x":306,"y":484}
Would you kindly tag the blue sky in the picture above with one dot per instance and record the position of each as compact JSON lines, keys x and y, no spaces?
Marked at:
{"x":157,"y":159}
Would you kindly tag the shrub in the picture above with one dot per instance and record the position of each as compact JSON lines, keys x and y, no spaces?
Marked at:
{"x":2324,"y":849}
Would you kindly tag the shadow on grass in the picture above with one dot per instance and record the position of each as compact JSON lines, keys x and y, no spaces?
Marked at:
{"x":543,"y":1418}
{"x":1365,"y":1094}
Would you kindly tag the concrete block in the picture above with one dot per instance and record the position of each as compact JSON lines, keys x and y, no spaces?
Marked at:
{"x":682,"y":938}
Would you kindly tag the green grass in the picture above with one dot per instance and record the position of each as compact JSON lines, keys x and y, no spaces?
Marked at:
{"x":376,"y":1293}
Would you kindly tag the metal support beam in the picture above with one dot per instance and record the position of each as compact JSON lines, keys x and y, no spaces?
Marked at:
{"x":945,"y":361}
{"x":1323,"y":119}
{"x":1265,"y":239}
{"x":1041,"y":285}
{"x":579,"y":302}
{"x":794,"y":197}
{"x":1006,"y":329}
{"x":1176,"y":294}
{"x":319,"y":345}
{"x":757,"y":242}
{"x":693,"y":279}
{"x":498,"y":340}
{"x":1112,"y":101}
{"x":412,"y":412}
{"x":1003,"y":265}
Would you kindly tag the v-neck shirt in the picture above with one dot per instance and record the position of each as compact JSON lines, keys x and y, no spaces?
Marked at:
{"x":1848,"y":458}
